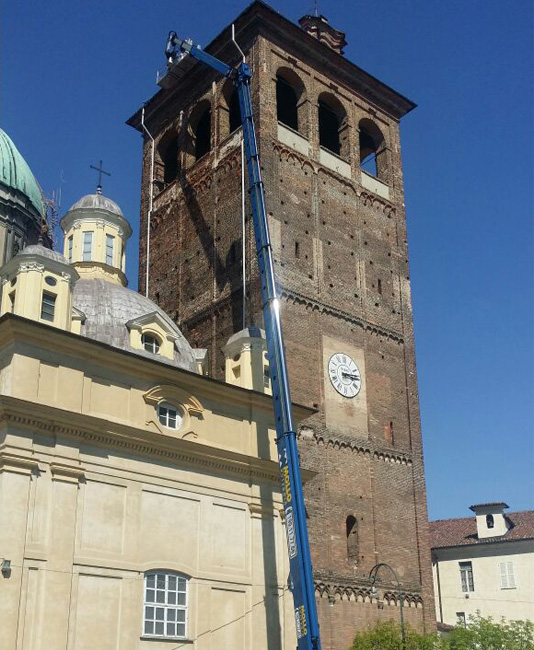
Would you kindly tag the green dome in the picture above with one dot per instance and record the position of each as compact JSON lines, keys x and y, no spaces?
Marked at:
{"x":16,"y":174}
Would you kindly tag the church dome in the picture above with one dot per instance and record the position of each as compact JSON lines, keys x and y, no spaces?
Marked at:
{"x":109,"y":307}
{"x":97,"y":202}
{"x":16,"y":174}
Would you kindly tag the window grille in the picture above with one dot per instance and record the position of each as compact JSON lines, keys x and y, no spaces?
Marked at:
{"x":48,"y":306}
{"x":110,"y":241}
{"x":87,"y":246}
{"x":466,"y":575}
{"x":70,"y":244}
{"x":165,"y":605}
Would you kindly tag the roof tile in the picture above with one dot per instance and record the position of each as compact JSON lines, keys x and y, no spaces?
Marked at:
{"x":463,"y":531}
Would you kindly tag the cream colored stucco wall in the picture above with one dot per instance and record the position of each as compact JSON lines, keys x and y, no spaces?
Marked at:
{"x":99,"y":227}
{"x":487,"y":597}
{"x":94,"y":492}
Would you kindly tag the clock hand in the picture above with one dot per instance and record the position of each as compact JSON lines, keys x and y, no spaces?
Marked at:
{"x":349,"y":375}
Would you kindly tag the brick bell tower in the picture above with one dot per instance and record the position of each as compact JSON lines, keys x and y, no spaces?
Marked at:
{"x":328,"y":134}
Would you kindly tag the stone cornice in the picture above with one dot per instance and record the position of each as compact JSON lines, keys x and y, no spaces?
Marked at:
{"x":298,"y":298}
{"x":102,"y":433}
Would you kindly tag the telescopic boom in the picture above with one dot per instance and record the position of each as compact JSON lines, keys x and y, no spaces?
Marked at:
{"x":300,"y":566}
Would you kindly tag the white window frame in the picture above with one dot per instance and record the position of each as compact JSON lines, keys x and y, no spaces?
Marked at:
{"x":150,"y":342}
{"x":466,"y":577}
{"x":48,"y":306}
{"x":162,"y":616}
{"x":110,"y":249}
{"x":169,"y":416}
{"x":87,"y":251}
{"x":506,"y":570}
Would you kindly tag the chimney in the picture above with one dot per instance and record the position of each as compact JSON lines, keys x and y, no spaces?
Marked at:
{"x":318,"y":27}
{"x":491,"y":519}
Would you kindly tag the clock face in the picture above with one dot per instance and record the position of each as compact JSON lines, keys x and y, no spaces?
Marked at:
{"x":344,"y":375}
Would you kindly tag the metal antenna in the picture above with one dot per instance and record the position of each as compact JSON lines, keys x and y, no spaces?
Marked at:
{"x":316,"y":8}
{"x":100,"y":172}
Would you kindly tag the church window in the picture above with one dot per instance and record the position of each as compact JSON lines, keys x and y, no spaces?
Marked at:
{"x":169,"y":416}
{"x":351,"y":525}
{"x":110,"y":241}
{"x":12,"y":302}
{"x":466,"y":577}
{"x":48,"y":306}
{"x":490,"y":521}
{"x":50,"y":281}
{"x":286,"y":104}
{"x":165,"y":605}
{"x":333,"y":125}
{"x":150,"y":343}
{"x":87,"y":246}
{"x":372,"y":149}
{"x":70,"y":242}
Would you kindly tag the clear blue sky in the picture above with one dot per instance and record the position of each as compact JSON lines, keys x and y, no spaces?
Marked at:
{"x":72,"y":72}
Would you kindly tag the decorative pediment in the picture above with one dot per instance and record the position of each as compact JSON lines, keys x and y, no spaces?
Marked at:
{"x":175,"y":396}
{"x":147,"y":323}
{"x":171,"y":397}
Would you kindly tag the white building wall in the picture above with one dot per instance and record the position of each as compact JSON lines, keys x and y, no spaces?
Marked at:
{"x":489,"y":596}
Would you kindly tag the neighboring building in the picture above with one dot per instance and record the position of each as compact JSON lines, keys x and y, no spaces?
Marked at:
{"x":485,"y":564}
{"x":139,"y":499}
{"x":22,"y":208}
{"x":328,"y":135}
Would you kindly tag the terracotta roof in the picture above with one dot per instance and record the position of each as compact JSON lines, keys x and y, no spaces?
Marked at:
{"x":462,"y":532}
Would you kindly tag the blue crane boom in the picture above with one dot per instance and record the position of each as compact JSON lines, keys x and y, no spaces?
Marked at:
{"x":300,"y":566}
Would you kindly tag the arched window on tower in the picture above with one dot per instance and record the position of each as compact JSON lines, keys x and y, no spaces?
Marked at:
{"x":286,"y":104}
{"x":333,"y":133}
{"x":490,"y":521}
{"x":372,"y":150}
{"x":167,"y":160}
{"x":229,"y":111}
{"x":290,"y":100}
{"x":352,"y":538}
{"x":199,"y":132}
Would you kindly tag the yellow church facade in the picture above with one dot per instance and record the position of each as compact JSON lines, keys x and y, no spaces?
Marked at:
{"x":140,"y":503}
